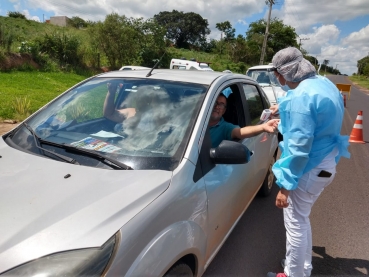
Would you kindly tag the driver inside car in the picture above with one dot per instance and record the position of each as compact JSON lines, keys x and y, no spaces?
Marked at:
{"x":221,"y":130}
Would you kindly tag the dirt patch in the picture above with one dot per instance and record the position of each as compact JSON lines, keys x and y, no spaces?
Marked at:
{"x":5,"y":127}
{"x":16,"y":60}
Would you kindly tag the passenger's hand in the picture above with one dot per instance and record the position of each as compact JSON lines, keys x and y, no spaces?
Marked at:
{"x":274,"y":109}
{"x":271,"y":126}
{"x":281,"y":200}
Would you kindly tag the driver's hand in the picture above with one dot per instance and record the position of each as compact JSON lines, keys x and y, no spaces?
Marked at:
{"x":271,"y":125}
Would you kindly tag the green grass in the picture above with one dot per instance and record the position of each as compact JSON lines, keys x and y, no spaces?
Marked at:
{"x":38,"y":87}
{"x":362,"y":81}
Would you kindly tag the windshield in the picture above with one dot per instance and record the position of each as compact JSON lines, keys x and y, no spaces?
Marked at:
{"x":263,"y":76}
{"x":143,"y":123}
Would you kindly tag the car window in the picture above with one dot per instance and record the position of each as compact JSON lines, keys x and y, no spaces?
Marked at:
{"x":235,"y":111}
{"x":254,"y":102}
{"x":179,"y":67}
{"x":263,"y":76}
{"x":165,"y":113}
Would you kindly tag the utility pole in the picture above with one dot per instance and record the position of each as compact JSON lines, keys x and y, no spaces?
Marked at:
{"x":301,"y":40}
{"x":271,"y":2}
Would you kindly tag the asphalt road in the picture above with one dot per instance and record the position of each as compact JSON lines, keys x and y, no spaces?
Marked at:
{"x":340,"y":218}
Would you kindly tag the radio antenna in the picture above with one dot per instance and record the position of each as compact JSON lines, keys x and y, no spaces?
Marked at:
{"x":149,"y":74}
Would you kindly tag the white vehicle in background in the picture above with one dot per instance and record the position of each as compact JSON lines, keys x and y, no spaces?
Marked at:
{"x":189,"y":65}
{"x":264,"y":75}
{"x":133,"y":67}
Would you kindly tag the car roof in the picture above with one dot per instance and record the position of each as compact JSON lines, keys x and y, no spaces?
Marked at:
{"x":190,"y":76}
{"x":266,"y":66}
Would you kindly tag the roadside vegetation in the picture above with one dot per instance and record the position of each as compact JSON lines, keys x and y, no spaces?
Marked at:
{"x":38,"y":61}
{"x":22,"y":93}
{"x":360,"y":80}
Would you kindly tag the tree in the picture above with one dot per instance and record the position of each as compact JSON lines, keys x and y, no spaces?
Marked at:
{"x":363,"y":66}
{"x":128,"y":41}
{"x":280,"y":36}
{"x":16,"y":15}
{"x":77,"y":22}
{"x":226,"y":28}
{"x":325,"y":63}
{"x":117,"y":39}
{"x":184,"y":29}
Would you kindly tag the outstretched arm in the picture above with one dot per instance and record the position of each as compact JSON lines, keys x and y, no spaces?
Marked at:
{"x":109,"y":110}
{"x":250,"y":131}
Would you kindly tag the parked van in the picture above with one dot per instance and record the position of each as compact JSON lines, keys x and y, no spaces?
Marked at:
{"x":133,"y":67}
{"x":189,"y":65}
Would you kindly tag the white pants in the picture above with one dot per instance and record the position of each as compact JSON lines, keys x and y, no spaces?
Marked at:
{"x":296,"y":218}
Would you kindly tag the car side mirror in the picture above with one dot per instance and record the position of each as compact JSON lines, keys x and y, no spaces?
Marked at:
{"x":230,"y":152}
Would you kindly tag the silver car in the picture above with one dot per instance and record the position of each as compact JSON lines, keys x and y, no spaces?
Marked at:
{"x":83,"y":195}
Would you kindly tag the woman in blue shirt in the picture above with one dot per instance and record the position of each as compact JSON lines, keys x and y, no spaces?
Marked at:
{"x":311,"y":116}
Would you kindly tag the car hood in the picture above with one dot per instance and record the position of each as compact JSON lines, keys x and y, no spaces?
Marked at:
{"x":43,"y":212}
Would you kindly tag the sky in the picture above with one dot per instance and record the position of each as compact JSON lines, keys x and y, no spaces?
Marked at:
{"x":337,"y":31}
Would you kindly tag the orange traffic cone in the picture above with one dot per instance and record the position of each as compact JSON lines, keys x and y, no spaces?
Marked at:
{"x":357,"y":130}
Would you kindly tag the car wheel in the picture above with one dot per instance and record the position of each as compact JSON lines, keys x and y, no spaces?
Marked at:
{"x":269,"y":180}
{"x":179,"y":269}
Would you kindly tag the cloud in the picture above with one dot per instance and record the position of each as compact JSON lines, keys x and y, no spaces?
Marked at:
{"x":359,"y":39}
{"x":303,"y":14}
{"x":28,"y":16}
{"x":242,"y":22}
{"x":324,"y":43}
{"x":321,"y":37}
{"x":96,"y":10}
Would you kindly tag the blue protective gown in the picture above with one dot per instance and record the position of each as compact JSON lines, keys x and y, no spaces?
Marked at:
{"x":311,"y":118}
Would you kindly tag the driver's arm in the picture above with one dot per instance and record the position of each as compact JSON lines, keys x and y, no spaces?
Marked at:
{"x":250,"y":131}
{"x":109,"y":110}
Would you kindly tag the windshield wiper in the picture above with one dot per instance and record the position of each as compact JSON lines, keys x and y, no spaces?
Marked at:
{"x":110,"y":161}
{"x":37,"y":143}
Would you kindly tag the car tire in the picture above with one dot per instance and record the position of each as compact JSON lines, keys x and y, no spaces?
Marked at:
{"x":266,"y":187}
{"x":179,"y":269}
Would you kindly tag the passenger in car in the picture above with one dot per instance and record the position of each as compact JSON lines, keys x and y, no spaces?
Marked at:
{"x":144,"y":110}
{"x":109,"y":110}
{"x":221,"y":130}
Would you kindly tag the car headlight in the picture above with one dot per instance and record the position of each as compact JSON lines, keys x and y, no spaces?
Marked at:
{"x":83,"y":262}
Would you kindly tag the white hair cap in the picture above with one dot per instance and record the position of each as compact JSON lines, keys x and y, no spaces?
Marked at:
{"x":290,"y":63}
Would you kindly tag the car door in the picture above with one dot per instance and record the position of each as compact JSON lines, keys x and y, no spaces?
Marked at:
{"x":227,"y":186}
{"x":262,"y":144}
